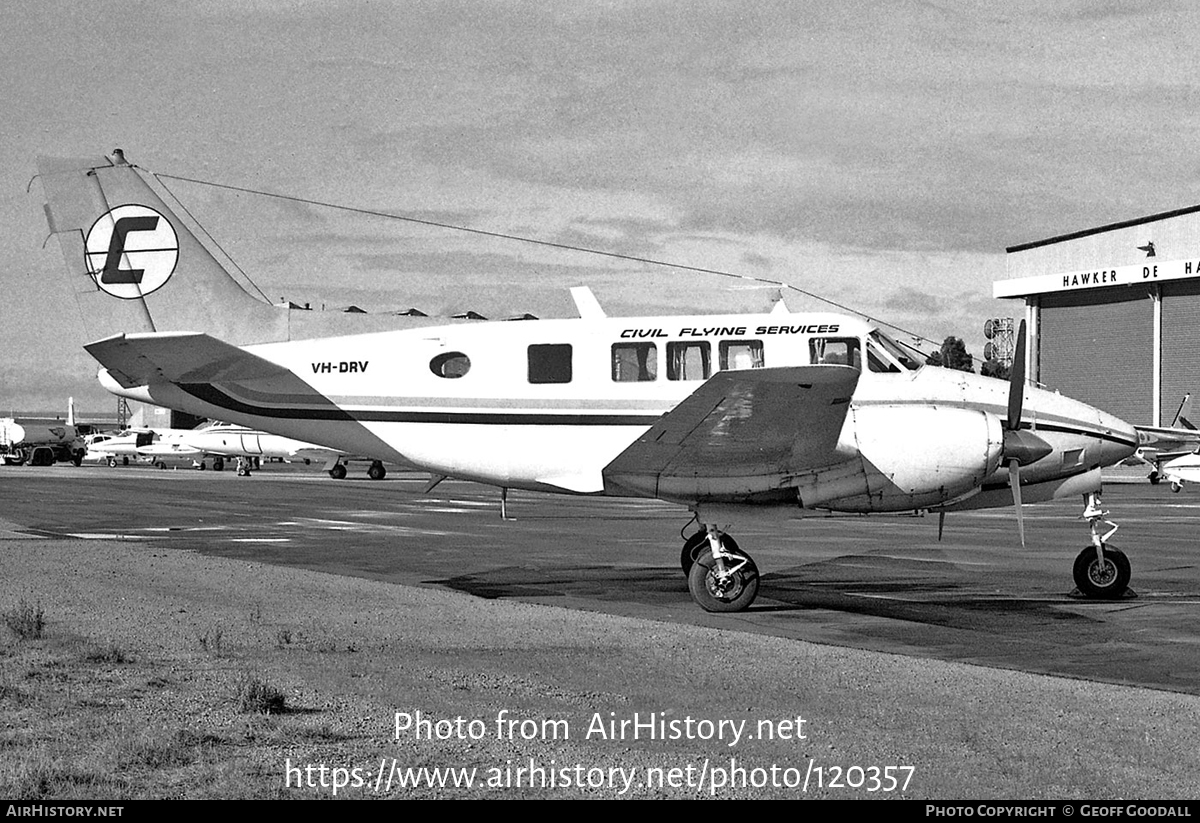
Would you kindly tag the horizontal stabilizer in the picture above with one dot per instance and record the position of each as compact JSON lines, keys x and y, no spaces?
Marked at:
{"x":1150,"y":435}
{"x":755,"y":422}
{"x":178,"y":357}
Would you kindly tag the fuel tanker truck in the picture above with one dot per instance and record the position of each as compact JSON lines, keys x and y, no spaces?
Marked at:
{"x":40,"y":442}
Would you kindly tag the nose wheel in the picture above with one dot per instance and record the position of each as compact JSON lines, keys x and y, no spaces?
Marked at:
{"x":1101,"y":571}
{"x":1102,"y":577}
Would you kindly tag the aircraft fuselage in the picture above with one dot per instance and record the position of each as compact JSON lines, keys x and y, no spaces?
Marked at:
{"x":549,"y":404}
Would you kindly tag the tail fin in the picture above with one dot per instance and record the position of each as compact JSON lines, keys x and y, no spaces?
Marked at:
{"x":70,"y":411}
{"x":1185,"y":412}
{"x":134,"y":266}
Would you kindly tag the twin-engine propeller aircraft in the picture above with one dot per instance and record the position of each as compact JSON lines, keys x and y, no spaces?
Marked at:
{"x":728,"y":415}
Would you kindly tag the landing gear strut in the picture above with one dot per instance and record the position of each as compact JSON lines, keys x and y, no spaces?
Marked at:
{"x":721,"y":577}
{"x":1101,"y":571}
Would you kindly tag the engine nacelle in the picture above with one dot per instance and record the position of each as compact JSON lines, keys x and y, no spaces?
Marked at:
{"x":909,"y":457}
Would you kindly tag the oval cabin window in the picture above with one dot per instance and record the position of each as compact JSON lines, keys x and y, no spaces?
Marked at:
{"x":451,"y":364}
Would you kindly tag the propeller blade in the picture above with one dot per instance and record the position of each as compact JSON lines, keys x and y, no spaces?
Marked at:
{"x":1016,"y":382}
{"x":1014,"y":480}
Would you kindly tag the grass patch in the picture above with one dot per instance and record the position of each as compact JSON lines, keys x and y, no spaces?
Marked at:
{"x":109,"y":653}
{"x":26,"y":621}
{"x":184,"y":748}
{"x":211,"y":640}
{"x":253,"y":695}
{"x":47,"y":780}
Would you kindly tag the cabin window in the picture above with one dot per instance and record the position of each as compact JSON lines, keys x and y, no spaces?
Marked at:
{"x":550,"y":363}
{"x":837,"y":351}
{"x":634,"y":362}
{"x":689,"y":361}
{"x":450,"y":365}
{"x":737,"y":355}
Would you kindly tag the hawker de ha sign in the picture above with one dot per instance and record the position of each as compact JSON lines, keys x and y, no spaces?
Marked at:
{"x":1102,"y":277}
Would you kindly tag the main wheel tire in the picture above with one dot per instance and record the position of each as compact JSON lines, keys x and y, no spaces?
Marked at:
{"x":377,"y":471}
{"x":218,"y":464}
{"x":733,"y":594}
{"x":338,"y":472}
{"x":698,"y":544}
{"x":1102,"y":582}
{"x":112,"y":462}
{"x":1154,"y":477}
{"x":1177,"y":487}
{"x":691,"y":546}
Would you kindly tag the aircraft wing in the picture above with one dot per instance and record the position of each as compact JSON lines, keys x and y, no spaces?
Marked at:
{"x":177,"y":357}
{"x":744,"y":424}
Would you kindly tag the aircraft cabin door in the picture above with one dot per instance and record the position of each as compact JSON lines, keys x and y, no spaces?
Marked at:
{"x":250,"y":444}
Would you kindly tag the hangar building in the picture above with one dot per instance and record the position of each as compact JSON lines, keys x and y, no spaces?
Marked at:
{"x":1114,"y":313}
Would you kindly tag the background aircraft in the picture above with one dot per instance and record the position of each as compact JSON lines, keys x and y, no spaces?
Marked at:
{"x":1180,"y":470}
{"x":1166,"y":449}
{"x":215,"y":442}
{"x":735,"y":417}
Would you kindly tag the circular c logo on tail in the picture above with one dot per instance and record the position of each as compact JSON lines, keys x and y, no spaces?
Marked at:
{"x":131,"y":251}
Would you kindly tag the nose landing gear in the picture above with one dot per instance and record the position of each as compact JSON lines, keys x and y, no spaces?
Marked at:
{"x":1101,"y":571}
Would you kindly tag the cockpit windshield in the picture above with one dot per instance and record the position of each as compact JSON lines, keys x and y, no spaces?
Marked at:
{"x":886,"y":355}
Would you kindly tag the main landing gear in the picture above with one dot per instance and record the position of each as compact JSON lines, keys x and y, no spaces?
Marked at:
{"x":1101,"y":571}
{"x":376,"y":471}
{"x":721,"y":577}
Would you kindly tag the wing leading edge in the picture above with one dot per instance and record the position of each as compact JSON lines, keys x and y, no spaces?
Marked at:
{"x":740,"y":434}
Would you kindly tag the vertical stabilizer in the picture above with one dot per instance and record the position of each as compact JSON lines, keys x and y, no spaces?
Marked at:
{"x":134,"y":266}
{"x":1183,"y":416}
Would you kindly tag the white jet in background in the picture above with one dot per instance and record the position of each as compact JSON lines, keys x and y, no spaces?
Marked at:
{"x":215,"y":442}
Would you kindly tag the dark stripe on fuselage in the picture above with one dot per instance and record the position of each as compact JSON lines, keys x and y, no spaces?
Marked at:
{"x":1050,"y":427}
{"x":214,"y":396}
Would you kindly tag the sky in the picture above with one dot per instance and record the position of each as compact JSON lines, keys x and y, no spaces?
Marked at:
{"x":880,"y":154}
